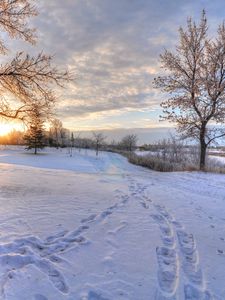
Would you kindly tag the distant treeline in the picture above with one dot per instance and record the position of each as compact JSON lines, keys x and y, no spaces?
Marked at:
{"x":60,"y":137}
{"x":13,"y":138}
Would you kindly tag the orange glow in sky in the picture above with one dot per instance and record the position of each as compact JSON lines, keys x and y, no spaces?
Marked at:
{"x":6,"y":128}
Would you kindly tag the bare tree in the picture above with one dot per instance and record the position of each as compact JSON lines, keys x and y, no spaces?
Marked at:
{"x":65,"y":137}
{"x":77,"y":140}
{"x":195,"y":79}
{"x":27,"y":78}
{"x":98,"y":140}
{"x":129,"y":142}
{"x":55,"y":130}
{"x":72,"y":140}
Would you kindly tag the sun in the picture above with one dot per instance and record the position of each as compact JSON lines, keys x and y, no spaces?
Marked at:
{"x":6,"y":128}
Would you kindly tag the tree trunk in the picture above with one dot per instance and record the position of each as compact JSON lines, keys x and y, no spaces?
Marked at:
{"x":35,"y":150}
{"x":203,"y":147}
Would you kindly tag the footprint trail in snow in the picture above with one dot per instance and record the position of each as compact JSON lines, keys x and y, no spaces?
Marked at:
{"x":45,"y":254}
{"x":178,"y":254}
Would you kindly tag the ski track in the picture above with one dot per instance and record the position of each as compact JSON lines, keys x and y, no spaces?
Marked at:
{"x":178,"y":254}
{"x":43,"y":254}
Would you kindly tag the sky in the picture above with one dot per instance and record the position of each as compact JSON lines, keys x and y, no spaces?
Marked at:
{"x":113,"y":48}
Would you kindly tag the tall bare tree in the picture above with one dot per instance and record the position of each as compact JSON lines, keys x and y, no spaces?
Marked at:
{"x":56,"y":132}
{"x":99,"y":138}
{"x":195,"y":79}
{"x":25,"y":78}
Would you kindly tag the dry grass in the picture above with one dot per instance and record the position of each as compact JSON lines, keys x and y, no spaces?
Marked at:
{"x":188,"y":162}
{"x":159,"y":164}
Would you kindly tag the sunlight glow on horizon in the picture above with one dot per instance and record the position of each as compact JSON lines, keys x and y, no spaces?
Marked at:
{"x":6,"y":128}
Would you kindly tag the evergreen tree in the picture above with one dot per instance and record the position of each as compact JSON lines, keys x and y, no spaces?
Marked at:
{"x":34,"y":137}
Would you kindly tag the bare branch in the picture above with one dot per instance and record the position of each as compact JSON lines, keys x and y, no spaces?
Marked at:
{"x":195,"y":81}
{"x":13,"y":20}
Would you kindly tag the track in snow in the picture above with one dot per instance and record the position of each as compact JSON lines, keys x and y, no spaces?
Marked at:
{"x":45,"y":254}
{"x":178,"y":255}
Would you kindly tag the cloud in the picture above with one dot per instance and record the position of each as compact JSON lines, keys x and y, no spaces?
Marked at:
{"x":113,"y":47}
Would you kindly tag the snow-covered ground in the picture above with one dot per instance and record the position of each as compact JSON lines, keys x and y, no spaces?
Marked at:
{"x":87,"y":228}
{"x":219,"y":159}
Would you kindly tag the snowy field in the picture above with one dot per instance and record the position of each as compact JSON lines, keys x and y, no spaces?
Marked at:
{"x":87,"y":228}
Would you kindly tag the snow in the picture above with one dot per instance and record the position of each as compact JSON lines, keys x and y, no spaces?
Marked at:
{"x":145,"y":153}
{"x":218,"y":159}
{"x":87,"y":228}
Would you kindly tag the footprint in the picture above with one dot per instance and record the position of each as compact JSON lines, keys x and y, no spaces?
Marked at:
{"x":190,"y":257}
{"x":16,"y":261}
{"x":164,"y":213}
{"x":89,"y":219}
{"x":158,"y":218}
{"x":51,"y":238}
{"x":187,"y":242}
{"x":76,"y":232}
{"x":122,"y":225}
{"x":95,"y":296}
{"x":55,"y":258}
{"x":168,"y":269}
{"x":167,"y":235}
{"x":105,"y":214}
{"x":178,"y":225}
{"x":113,"y":207}
{"x":144,"y":205}
{"x":193,"y":293}
{"x":161,"y":296}
{"x":20,"y":261}
{"x":54,"y":275}
{"x":220,"y":251}
{"x":40,"y":297}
